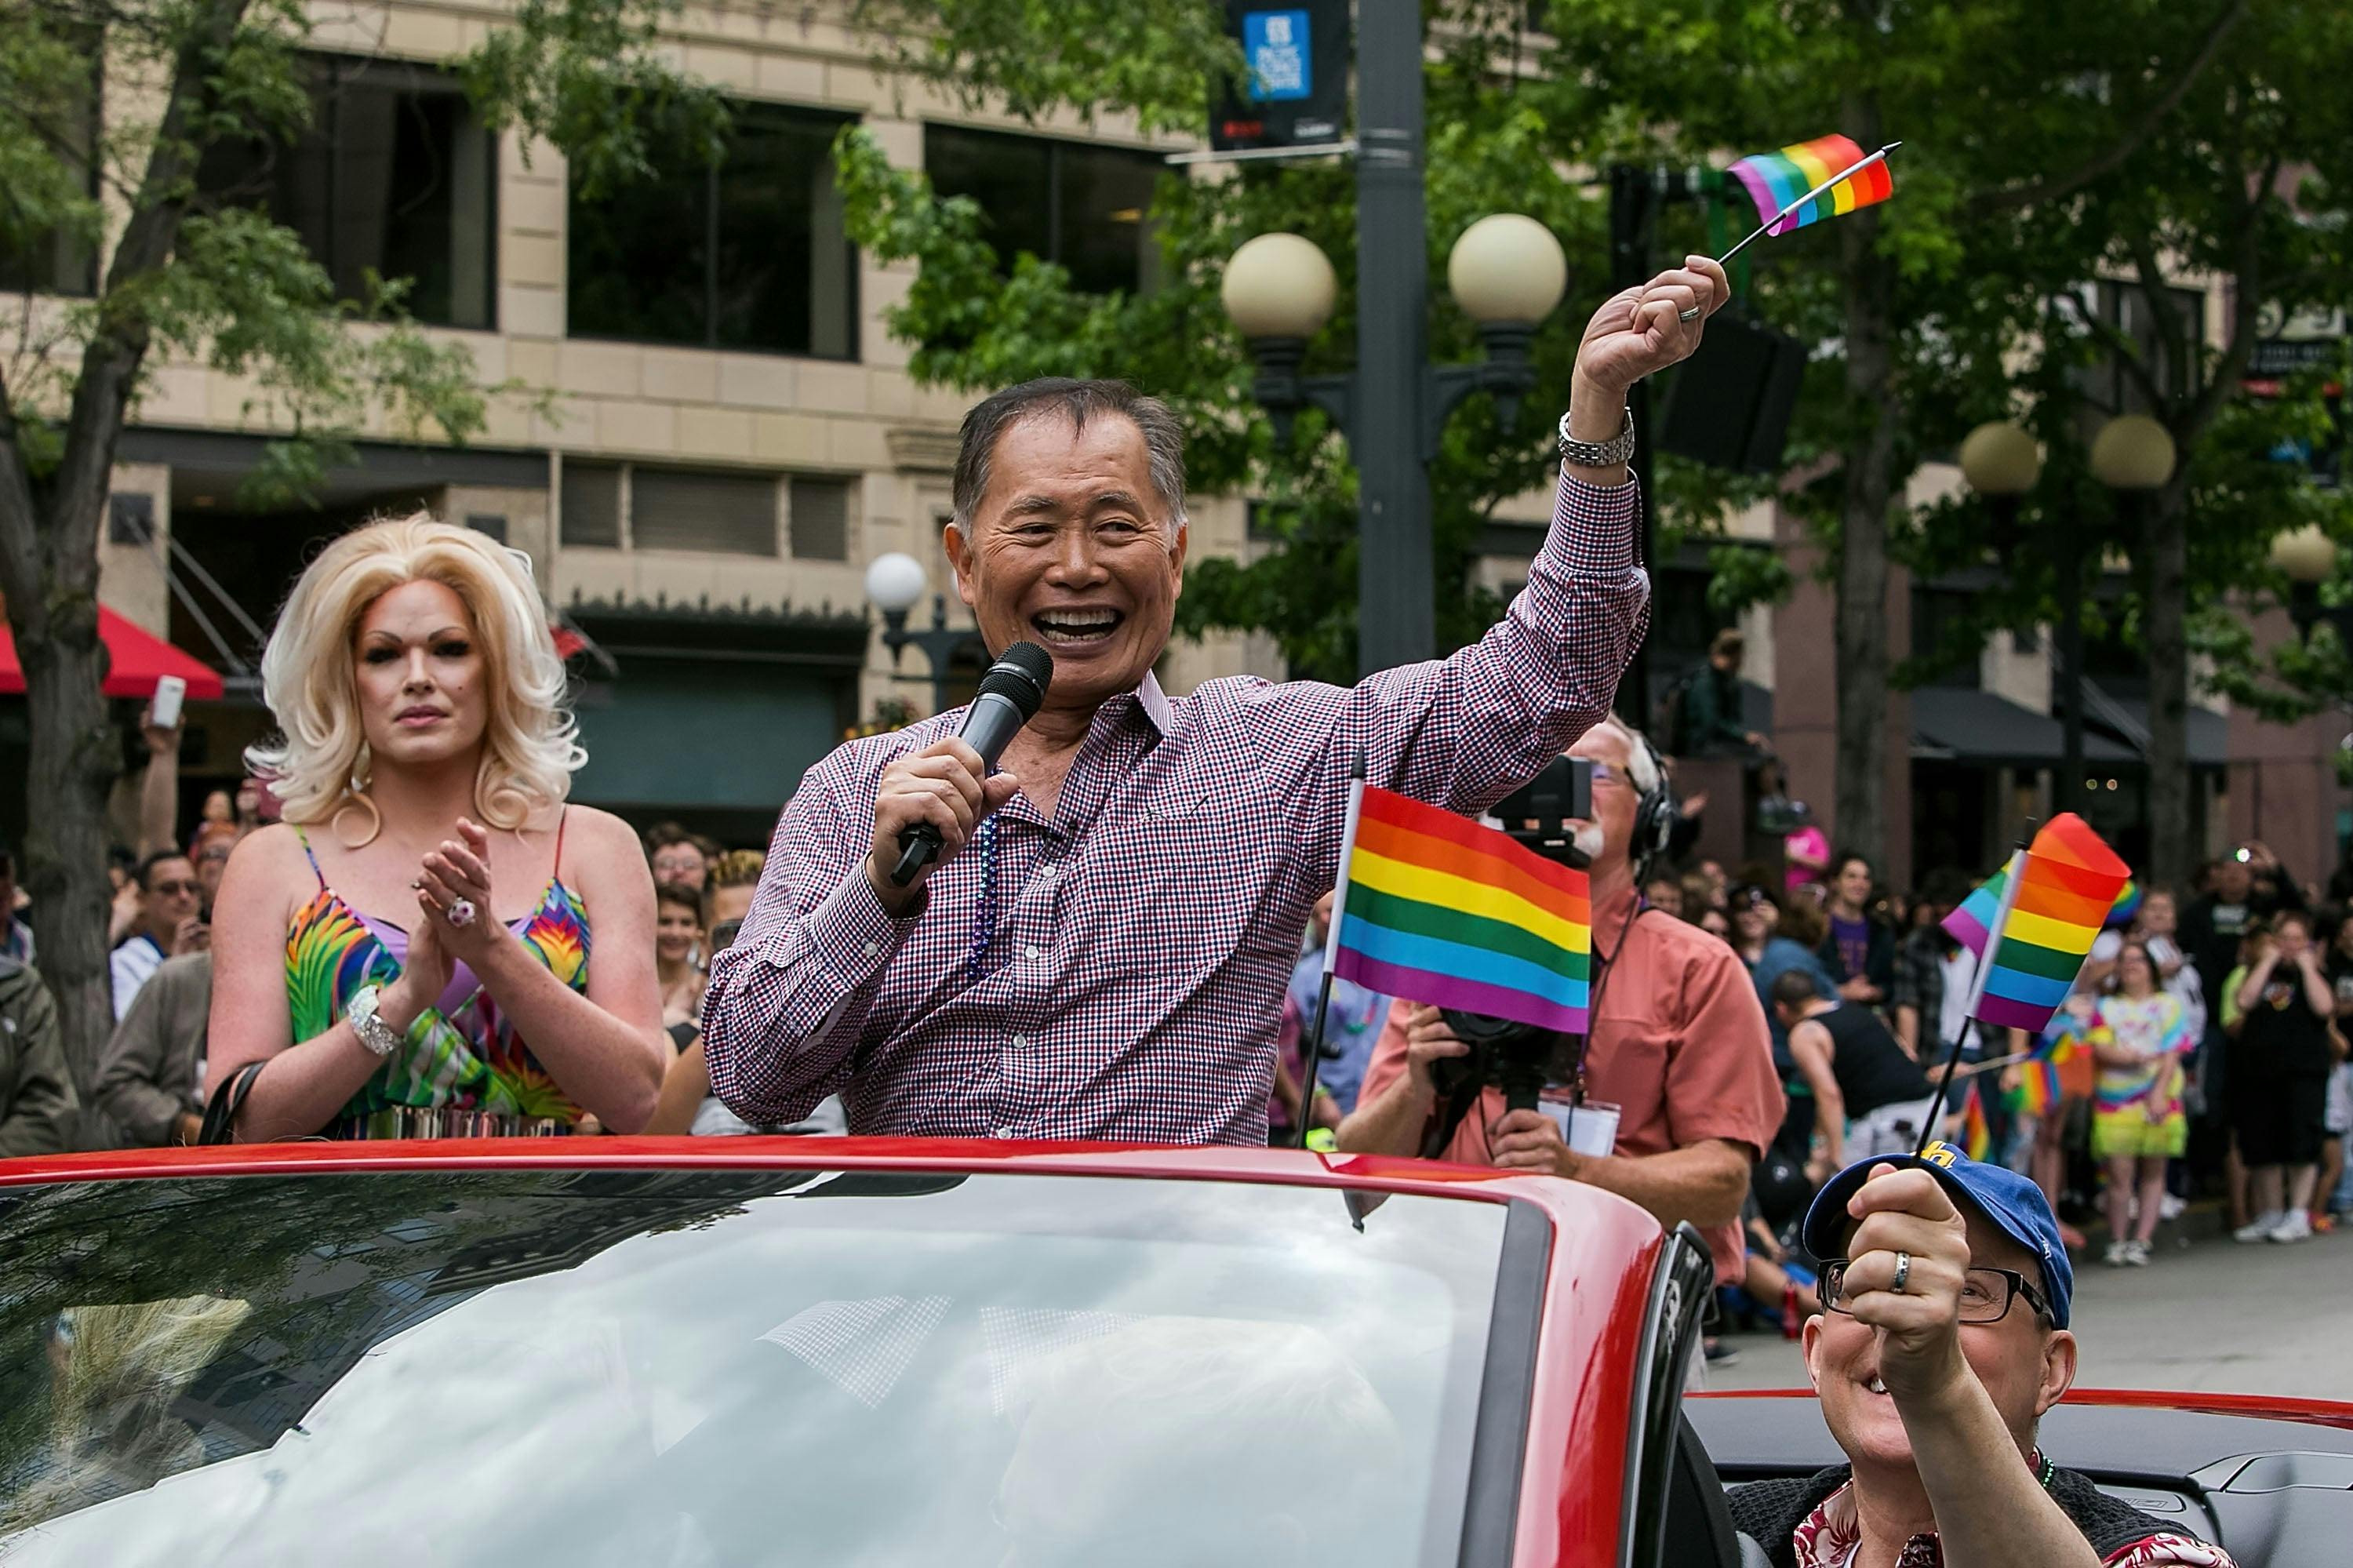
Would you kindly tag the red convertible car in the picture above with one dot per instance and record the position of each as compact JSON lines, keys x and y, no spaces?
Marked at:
{"x":682,"y":1353}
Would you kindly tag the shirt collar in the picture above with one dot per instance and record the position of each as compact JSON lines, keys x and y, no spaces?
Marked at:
{"x":1828,"y":1536}
{"x":1154,"y":703}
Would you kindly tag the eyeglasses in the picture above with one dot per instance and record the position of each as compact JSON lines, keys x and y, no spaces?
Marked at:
{"x":1986,"y":1293}
{"x":174,"y":889}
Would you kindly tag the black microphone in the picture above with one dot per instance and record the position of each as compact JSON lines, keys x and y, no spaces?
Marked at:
{"x":1010,"y":695}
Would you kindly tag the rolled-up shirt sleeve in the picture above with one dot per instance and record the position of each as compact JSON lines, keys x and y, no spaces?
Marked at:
{"x":781,"y":1014}
{"x":1464,"y":731}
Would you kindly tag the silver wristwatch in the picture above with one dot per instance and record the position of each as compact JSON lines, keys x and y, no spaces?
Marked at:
{"x":1598,"y":454}
{"x":374,"y":1034}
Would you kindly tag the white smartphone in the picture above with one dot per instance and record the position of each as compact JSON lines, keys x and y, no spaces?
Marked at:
{"x":170,"y":692}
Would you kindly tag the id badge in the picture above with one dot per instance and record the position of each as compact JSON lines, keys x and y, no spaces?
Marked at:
{"x":1588,"y":1129}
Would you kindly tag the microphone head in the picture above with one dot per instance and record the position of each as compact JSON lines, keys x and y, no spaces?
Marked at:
{"x":1020,"y":675}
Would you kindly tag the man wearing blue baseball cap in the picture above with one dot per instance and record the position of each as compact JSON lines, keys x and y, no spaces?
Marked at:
{"x":1944,"y":1340}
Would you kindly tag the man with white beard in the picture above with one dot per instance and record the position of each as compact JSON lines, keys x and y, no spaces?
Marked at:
{"x":1679,"y":1047}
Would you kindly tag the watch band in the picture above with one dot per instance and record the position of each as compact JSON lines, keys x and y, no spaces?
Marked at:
{"x":1598,"y":454}
{"x":374,"y":1032}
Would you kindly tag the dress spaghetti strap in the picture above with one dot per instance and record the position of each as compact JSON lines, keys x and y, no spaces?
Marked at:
{"x":304,"y":840}
{"x":563,"y":816}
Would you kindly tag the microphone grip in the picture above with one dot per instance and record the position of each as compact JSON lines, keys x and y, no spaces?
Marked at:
{"x":918,"y":847}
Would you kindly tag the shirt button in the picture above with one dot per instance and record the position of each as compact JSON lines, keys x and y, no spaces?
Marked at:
{"x":1005,"y":1132}
{"x":873,"y":948}
{"x":1031,"y":953}
{"x":1021,"y":1041}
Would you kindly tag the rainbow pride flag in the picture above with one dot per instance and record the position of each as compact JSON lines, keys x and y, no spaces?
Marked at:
{"x":2050,"y":903}
{"x":2128,"y":906}
{"x":1437,"y":909}
{"x":1776,"y":179}
{"x":1976,"y":1133}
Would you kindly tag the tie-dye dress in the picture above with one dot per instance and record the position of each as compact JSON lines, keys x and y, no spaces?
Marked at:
{"x":2139,"y":1112}
{"x":462,"y":1057}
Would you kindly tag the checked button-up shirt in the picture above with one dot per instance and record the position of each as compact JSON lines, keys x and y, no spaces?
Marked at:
{"x":1118,"y":970}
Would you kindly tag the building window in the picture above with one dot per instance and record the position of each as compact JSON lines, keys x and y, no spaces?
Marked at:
{"x":1079,"y":206}
{"x":641,"y":506}
{"x":1942,"y":638}
{"x":592,"y":505}
{"x":750,"y":252}
{"x":393,"y":175}
{"x":695,"y":509}
{"x":56,"y":261}
{"x":817,"y":519}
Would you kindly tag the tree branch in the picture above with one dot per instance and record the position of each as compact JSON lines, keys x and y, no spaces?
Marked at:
{"x":2127,"y":352}
{"x":2246,"y":301}
{"x":19,"y":534}
{"x":2135,"y":135}
{"x":110,"y":363}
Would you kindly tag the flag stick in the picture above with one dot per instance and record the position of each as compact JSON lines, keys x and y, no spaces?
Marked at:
{"x":1937,"y":1105}
{"x":1766,"y":226}
{"x":1314,"y":1056}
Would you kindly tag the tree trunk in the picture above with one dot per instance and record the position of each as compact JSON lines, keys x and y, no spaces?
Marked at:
{"x":1870,"y":480}
{"x":76,"y":755}
{"x":48,"y":568}
{"x":2172,"y":846}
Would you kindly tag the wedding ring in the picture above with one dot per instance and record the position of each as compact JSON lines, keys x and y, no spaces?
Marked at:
{"x":1690,"y":315}
{"x":1902,"y":1273}
{"x":461,"y":914}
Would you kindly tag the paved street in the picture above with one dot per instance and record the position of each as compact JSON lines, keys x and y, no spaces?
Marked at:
{"x":2214,"y":1317}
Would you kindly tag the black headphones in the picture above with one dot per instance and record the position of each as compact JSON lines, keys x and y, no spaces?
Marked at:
{"x":1655,"y":814}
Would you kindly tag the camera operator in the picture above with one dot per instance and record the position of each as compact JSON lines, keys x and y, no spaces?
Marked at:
{"x":1678,"y":1046}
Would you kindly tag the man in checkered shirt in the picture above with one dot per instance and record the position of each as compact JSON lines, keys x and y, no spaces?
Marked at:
{"x":1102,"y":947}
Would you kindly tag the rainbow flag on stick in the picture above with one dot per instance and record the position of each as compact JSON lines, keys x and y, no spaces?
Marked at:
{"x":1436,"y":909}
{"x":1788,"y":187}
{"x":2048,"y":905}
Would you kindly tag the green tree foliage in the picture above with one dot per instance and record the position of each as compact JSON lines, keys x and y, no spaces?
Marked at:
{"x":2043,"y":151}
{"x":202,"y":276}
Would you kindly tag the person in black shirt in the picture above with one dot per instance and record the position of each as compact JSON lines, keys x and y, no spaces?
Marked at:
{"x":1869,"y":1097}
{"x":2248,"y":885}
{"x":2280,"y":1083}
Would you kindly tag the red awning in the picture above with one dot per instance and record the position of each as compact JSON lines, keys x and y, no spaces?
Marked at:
{"x":136,"y":659}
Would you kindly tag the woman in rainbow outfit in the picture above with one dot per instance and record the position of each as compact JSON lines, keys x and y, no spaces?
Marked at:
{"x":2139,"y":1035}
{"x":408,"y":955}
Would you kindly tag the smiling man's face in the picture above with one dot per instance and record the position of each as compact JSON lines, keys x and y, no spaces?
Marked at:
{"x":1069,"y":548}
{"x":2024,"y":1363}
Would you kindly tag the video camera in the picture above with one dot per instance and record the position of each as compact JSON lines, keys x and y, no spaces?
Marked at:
{"x":1518,"y":1058}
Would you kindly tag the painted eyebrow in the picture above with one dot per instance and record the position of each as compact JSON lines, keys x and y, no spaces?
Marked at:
{"x":382,"y":635}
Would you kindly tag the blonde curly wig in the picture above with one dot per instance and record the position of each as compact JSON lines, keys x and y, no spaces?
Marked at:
{"x":318,"y":763}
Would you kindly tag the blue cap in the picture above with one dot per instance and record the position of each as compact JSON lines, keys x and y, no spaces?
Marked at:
{"x":2013,"y":1203}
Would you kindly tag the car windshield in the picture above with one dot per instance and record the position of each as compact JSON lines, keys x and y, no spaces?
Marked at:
{"x":680,"y":1369}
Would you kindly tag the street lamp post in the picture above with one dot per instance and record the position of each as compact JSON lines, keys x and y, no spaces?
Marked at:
{"x":2131,"y":455}
{"x":1506,"y":271}
{"x":895,"y":582}
{"x":2308,"y":556}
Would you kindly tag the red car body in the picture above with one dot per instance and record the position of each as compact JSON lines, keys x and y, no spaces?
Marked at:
{"x":1602,"y":1255}
{"x":1588,"y":1494}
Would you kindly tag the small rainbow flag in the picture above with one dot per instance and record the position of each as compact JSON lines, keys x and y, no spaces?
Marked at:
{"x":1776,"y":179}
{"x":2128,"y":906}
{"x":2050,"y":903}
{"x":1977,"y":1134}
{"x":1436,"y":909}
